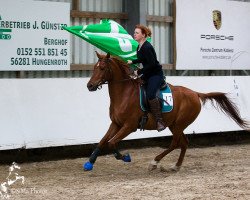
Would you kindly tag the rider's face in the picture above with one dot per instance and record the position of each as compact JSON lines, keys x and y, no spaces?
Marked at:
{"x":138,"y":36}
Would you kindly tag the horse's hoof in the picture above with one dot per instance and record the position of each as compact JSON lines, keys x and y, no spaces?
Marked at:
{"x":163,"y":169}
{"x":88,"y":166}
{"x":126,"y":158}
{"x":153,"y":165}
{"x":175,"y":168}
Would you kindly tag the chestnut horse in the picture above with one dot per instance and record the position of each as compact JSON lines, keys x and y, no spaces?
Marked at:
{"x":125,"y":111}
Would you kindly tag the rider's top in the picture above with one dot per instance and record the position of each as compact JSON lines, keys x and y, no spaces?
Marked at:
{"x":147,"y":56}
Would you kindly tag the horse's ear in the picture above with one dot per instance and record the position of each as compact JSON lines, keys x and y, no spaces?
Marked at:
{"x":98,"y":55}
{"x":108,"y":55}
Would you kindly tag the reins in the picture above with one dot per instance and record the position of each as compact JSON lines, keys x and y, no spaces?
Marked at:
{"x":118,"y":81}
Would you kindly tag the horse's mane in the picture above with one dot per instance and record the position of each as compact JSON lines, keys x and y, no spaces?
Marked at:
{"x":123,"y":66}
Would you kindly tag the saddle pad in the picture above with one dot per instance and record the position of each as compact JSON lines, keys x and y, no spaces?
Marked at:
{"x":164,"y":94}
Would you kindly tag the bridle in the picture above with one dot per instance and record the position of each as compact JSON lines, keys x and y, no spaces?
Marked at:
{"x":108,"y":73}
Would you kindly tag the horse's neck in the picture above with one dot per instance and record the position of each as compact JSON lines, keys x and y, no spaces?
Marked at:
{"x":118,"y":90}
{"x":119,"y":87}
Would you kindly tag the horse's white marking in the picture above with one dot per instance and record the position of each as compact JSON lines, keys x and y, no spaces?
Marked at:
{"x":175,"y":168}
{"x":153,"y":162}
{"x":153,"y":165}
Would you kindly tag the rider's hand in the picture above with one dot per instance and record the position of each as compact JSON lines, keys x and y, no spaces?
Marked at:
{"x":129,"y":62}
{"x":134,"y":75}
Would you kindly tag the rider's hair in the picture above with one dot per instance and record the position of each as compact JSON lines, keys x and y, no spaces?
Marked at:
{"x":144,"y":30}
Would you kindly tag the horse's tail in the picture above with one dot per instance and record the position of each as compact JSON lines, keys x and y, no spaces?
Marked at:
{"x":226,"y":105}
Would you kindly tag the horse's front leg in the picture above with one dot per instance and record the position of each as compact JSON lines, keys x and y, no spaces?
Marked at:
{"x":121,"y":134}
{"x":119,"y":156}
{"x":113,"y":129}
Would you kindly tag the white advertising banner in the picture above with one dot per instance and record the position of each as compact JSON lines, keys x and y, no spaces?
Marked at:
{"x":31,"y":37}
{"x":38,"y":113}
{"x":212,"y":35}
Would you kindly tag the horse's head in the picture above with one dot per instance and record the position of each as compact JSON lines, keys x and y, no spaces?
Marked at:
{"x":108,"y":69}
{"x":102,"y":72}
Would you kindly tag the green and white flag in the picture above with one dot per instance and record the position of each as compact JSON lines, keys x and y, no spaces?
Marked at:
{"x":109,"y":36}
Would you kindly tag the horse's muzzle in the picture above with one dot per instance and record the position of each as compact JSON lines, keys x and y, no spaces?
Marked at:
{"x":91,"y":87}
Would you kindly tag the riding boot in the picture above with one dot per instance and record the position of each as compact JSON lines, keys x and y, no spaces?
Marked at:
{"x":156,"y":111}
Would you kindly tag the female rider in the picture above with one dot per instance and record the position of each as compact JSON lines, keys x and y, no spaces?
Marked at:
{"x":151,"y":71}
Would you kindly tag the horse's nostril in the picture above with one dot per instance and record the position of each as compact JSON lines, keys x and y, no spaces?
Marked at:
{"x":91,"y":87}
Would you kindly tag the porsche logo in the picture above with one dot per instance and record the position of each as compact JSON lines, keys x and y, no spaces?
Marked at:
{"x":217,"y":19}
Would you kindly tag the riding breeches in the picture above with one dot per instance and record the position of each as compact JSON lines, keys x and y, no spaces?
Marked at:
{"x":152,"y":85}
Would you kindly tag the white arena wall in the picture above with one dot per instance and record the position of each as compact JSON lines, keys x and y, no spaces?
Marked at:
{"x":39,"y":113}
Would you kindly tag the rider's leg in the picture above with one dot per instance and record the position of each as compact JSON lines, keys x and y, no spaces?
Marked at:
{"x":153,"y":84}
{"x":156,"y":111}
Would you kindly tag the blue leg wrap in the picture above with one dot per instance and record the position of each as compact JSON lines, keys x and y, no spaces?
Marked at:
{"x":88,"y":166}
{"x":126,"y":158}
{"x":119,"y":156}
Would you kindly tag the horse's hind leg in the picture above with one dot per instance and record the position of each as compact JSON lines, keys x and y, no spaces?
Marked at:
{"x":174,"y":144}
{"x":179,"y":140}
{"x":183,"y":144}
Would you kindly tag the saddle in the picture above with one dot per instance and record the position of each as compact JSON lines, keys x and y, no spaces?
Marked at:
{"x":165,"y":97}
